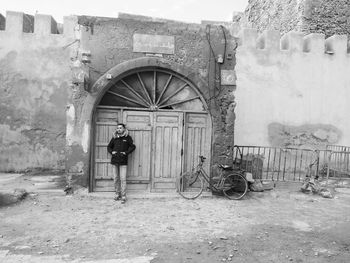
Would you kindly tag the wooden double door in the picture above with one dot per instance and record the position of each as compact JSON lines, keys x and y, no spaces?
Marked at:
{"x":167,"y":142}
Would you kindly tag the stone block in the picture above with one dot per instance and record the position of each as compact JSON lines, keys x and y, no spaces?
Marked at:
{"x":44,"y":25}
{"x":70,"y":27}
{"x":18,"y":22}
{"x":248,"y":37}
{"x":159,"y":44}
{"x":269,"y":39}
{"x":292,"y":41}
{"x":314,"y":43}
{"x":228,"y":77}
{"x":337,"y":44}
{"x":14,"y":22}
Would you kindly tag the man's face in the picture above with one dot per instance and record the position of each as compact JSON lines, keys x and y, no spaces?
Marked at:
{"x":120,"y":129}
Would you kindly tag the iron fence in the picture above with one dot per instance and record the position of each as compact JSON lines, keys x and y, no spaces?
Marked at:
{"x":293,"y":164}
{"x":338,"y":148}
{"x":338,"y":165}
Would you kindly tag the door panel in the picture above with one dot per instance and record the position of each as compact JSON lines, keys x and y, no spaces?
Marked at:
{"x":167,"y":138}
{"x":197,"y":140}
{"x":139,"y":162}
{"x":139,"y":124}
{"x":159,"y":138}
{"x":106,"y":123}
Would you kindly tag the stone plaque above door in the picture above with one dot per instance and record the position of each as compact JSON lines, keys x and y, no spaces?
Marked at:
{"x":158,"y":44}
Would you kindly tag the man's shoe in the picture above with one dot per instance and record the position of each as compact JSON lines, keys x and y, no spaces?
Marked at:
{"x":123,"y":200}
{"x":117,"y":198}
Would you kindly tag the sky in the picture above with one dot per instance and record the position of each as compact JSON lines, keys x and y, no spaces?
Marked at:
{"x":192,"y":11}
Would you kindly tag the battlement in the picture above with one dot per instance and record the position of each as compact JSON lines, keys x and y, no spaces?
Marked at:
{"x":293,"y":41}
{"x":17,"y":23}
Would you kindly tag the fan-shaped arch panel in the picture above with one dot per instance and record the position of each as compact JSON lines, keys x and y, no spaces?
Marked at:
{"x":154,"y":89}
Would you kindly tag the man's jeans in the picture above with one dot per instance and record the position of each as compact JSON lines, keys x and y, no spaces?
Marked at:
{"x":120,"y":179}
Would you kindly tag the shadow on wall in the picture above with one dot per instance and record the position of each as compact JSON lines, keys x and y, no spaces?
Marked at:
{"x":308,"y":136}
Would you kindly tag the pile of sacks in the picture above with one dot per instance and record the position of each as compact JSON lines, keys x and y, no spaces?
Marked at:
{"x":312,"y":185}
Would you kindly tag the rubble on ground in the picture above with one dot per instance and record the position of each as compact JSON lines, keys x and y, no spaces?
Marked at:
{"x":312,"y":185}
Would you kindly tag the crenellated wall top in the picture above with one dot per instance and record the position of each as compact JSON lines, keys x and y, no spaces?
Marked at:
{"x":314,"y":43}
{"x":18,"y":23}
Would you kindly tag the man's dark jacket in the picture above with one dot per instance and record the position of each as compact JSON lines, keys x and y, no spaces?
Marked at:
{"x":121,"y":144}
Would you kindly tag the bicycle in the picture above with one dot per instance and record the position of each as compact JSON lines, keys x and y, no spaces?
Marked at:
{"x":234,"y":185}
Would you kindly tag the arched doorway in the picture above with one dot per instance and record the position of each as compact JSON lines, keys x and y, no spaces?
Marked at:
{"x":168,"y":119}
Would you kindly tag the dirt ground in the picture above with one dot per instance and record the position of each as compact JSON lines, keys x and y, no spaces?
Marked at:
{"x":281,"y":225}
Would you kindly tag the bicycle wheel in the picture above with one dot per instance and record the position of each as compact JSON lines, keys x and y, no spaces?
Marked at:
{"x":190,"y":185}
{"x":235,"y":186}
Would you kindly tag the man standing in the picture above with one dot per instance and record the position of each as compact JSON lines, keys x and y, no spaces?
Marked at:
{"x":120,"y":146}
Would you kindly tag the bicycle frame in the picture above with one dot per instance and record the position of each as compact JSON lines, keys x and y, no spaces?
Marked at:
{"x":233,"y":184}
{"x":201,"y":172}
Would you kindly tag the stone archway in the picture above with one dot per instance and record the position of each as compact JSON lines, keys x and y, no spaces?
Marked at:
{"x":167,"y":117}
{"x":110,"y":77}
{"x":105,"y":82}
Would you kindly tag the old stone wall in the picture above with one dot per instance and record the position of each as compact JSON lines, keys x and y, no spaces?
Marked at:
{"x":34,"y":87}
{"x":293,"y":91}
{"x":109,"y":44}
{"x":281,"y":15}
{"x":310,"y":16}
{"x":327,"y":16}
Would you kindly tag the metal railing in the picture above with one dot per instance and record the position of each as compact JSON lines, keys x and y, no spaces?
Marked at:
{"x":338,"y":165}
{"x":292,"y":164}
{"x":338,"y":148}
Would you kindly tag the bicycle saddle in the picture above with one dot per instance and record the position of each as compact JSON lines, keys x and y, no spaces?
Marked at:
{"x":225,"y":167}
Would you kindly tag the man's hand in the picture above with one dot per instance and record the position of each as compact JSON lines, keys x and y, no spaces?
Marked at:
{"x":123,"y":153}
{"x":114,"y":152}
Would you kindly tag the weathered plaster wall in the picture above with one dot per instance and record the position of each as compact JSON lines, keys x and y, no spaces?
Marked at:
{"x":34,"y":86}
{"x":292,"y":92}
{"x":110,"y":44}
{"x":310,"y":16}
